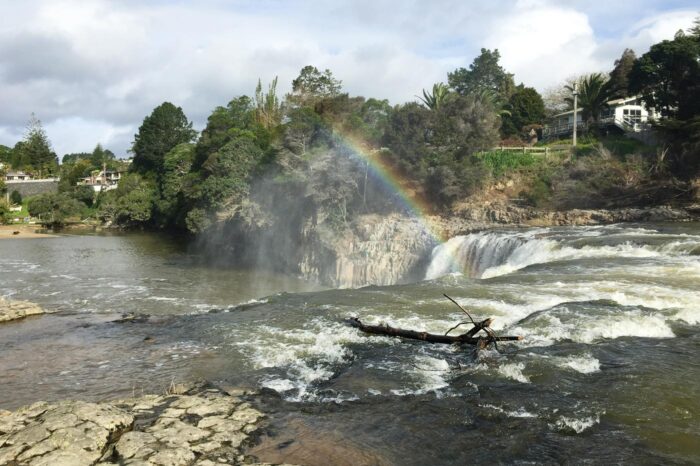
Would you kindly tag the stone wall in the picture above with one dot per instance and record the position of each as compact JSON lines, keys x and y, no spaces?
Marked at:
{"x":33,"y":187}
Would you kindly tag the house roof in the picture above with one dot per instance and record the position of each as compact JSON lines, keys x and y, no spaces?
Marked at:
{"x":622,"y":100}
{"x":614,"y":102}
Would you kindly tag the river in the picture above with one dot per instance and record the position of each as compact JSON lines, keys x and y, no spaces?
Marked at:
{"x":608,"y":371}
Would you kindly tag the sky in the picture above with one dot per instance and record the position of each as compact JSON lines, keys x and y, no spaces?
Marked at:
{"x":91,"y":70}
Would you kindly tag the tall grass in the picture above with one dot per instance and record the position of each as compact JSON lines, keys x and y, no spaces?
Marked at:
{"x":501,"y":162}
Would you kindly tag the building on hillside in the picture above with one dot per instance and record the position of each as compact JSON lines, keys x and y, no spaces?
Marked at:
{"x":104,"y":180}
{"x":13,"y":175}
{"x":628,"y":115}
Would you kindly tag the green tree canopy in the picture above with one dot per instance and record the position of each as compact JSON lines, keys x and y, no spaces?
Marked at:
{"x":166,"y":127}
{"x":618,"y":84}
{"x":176,"y":167}
{"x":668,"y":76}
{"x":71,"y":173}
{"x":101,"y":156}
{"x":312,"y":85}
{"x":466,"y":124}
{"x":236,"y":120}
{"x":131,"y":203}
{"x":224,"y":182}
{"x":5,"y":154}
{"x":485,"y":73}
{"x":302,"y":129}
{"x":54,"y":209}
{"x":74,"y":157}
{"x":15,"y":198}
{"x":34,"y":152}
{"x":525,"y":107}
{"x":408,"y":133}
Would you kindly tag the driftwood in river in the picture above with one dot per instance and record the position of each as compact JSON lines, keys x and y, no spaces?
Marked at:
{"x":468,"y":338}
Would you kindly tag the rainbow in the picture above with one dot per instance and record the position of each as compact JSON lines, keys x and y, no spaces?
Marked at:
{"x":395,"y":182}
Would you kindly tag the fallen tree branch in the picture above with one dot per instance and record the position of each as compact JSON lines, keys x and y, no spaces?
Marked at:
{"x":464,"y":339}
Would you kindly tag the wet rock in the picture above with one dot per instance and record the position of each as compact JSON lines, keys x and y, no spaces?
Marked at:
{"x":206,"y":427}
{"x":13,"y":310}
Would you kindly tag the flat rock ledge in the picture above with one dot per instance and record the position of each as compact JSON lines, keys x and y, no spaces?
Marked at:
{"x":12,"y":310}
{"x":207,"y":428}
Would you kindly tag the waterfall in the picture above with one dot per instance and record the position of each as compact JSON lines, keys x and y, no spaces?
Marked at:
{"x":490,"y":254}
{"x":472,"y":254}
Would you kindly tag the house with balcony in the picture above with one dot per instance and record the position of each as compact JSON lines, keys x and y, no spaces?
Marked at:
{"x":103,"y":180}
{"x":626,"y":115}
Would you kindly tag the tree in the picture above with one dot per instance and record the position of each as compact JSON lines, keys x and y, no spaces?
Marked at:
{"x":72,"y":173}
{"x":268,"y":112}
{"x":618,"y":85}
{"x":223,"y":183}
{"x":5,"y":214}
{"x":592,"y":96}
{"x":75,"y":157}
{"x":35,"y":151}
{"x":225,"y":124}
{"x":15,"y":198}
{"x":166,"y":127}
{"x":668,"y":76}
{"x":483,"y":73}
{"x":408,"y":134}
{"x":436,"y":98}
{"x":176,"y":167}
{"x":5,"y":154}
{"x":84,"y":194}
{"x":312,"y":85}
{"x":556,"y":98}
{"x":466,"y":124}
{"x":131,"y":204}
{"x":54,"y":209}
{"x":525,"y":107}
{"x":100,"y":156}
{"x":303,"y":127}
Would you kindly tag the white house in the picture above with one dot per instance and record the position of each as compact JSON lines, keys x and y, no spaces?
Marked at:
{"x":104,"y":180}
{"x":17,"y":176}
{"x":628,"y":114}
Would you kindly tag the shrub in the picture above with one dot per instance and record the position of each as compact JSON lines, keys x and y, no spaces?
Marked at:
{"x":15,"y":198}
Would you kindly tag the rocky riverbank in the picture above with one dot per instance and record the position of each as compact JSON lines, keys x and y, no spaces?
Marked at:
{"x":13,"y":310}
{"x":506,"y":214}
{"x":202,"y":426}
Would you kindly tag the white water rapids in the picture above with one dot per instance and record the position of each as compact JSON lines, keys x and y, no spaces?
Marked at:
{"x":492,"y":254}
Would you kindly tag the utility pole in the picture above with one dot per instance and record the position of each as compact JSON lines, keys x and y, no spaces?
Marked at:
{"x":575,"y":112}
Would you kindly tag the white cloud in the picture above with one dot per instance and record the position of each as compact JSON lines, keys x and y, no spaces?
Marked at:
{"x":92,"y":70}
{"x":75,"y":134}
{"x":657,"y":28}
{"x":544,"y":44}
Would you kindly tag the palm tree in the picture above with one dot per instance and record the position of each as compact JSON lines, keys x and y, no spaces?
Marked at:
{"x":434,"y":100}
{"x":593,"y":95}
{"x":493,"y":98}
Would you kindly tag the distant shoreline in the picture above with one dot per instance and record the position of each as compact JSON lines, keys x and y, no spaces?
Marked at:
{"x":25,"y":232}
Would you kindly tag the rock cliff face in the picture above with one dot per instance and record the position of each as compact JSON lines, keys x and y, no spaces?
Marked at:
{"x":375,"y":250}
